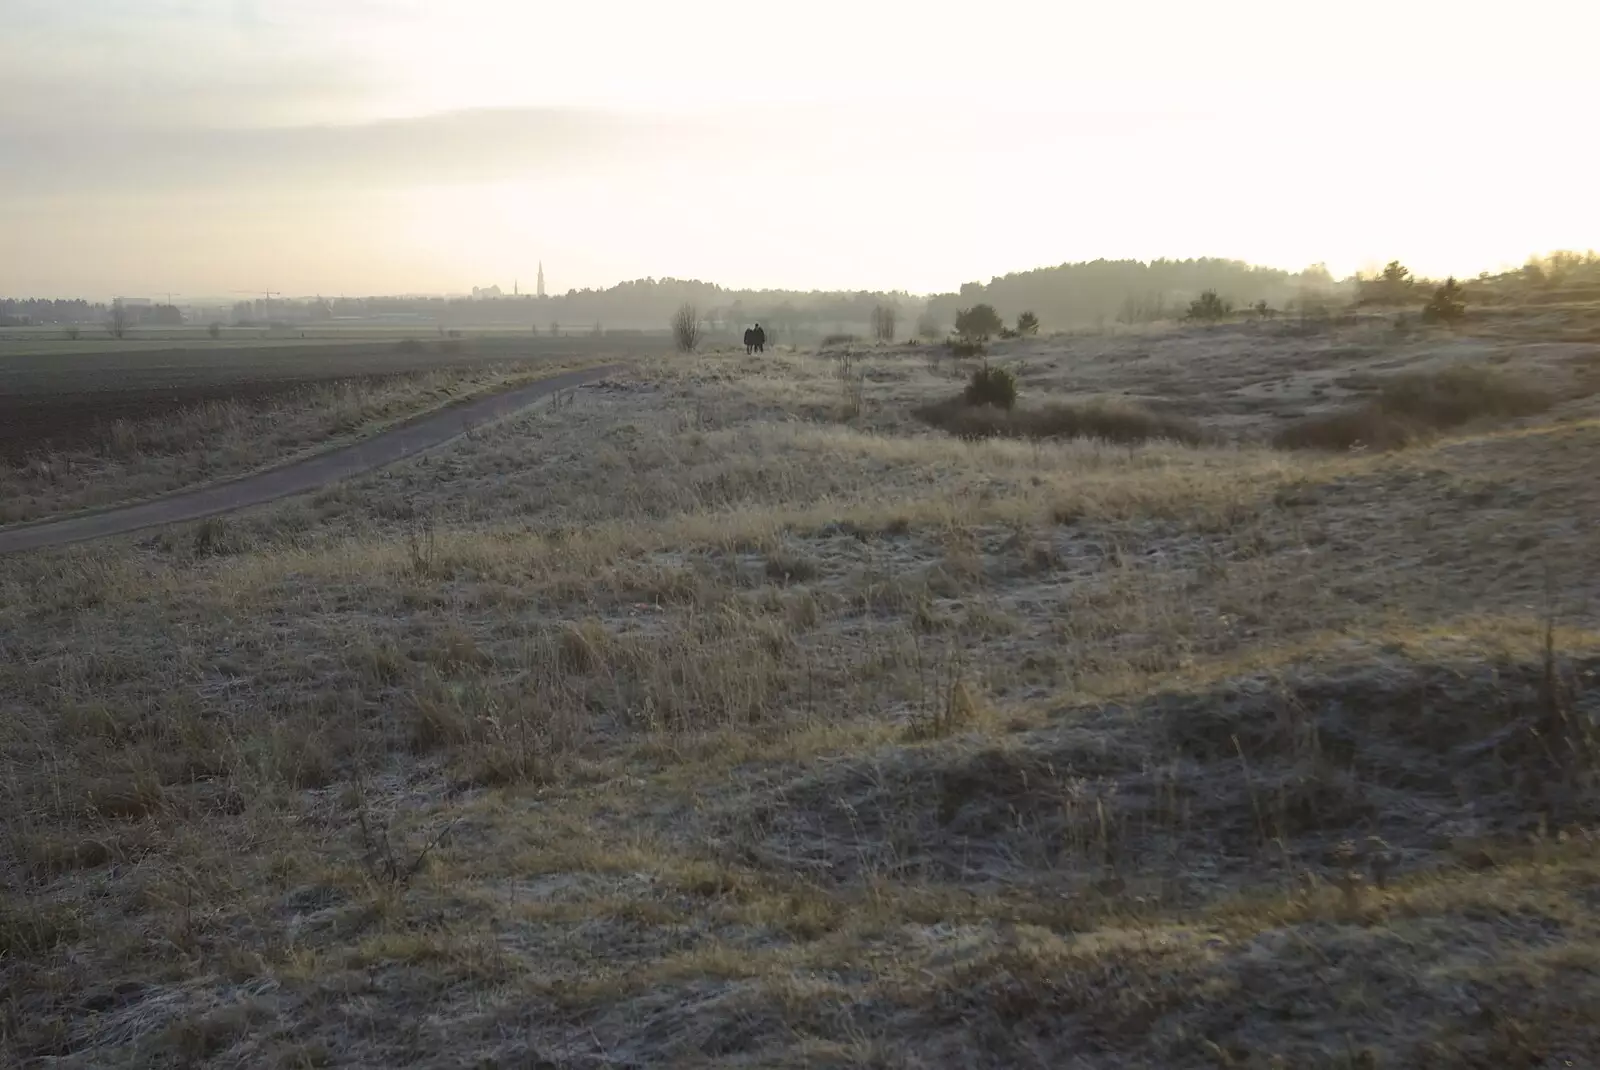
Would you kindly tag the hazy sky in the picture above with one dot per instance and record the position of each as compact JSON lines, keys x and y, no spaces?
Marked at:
{"x":360,"y":146}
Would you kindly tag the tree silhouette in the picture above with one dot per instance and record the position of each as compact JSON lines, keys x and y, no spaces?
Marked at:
{"x":1027,"y":324}
{"x":1209,"y":308}
{"x":884,"y":318}
{"x":686,"y":328}
{"x":1445,"y":306}
{"x":978,"y":323}
{"x":1395,"y":285}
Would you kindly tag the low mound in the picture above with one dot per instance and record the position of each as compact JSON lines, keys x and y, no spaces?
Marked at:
{"x":1256,"y":773}
{"x":1130,"y":879}
{"x":1414,"y":407}
{"x":1108,"y":420}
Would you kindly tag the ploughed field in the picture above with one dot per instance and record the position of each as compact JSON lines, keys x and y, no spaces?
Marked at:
{"x":54,"y":401}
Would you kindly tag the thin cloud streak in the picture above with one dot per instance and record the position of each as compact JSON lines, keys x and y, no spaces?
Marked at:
{"x":475,"y":146}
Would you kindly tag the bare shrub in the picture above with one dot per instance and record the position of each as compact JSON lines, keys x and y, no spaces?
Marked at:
{"x":1150,"y":308}
{"x":1414,"y":407}
{"x":686,"y":331}
{"x":884,"y":318}
{"x":386,"y":865}
{"x":1027,"y":325}
{"x":852,"y":384}
{"x":838,"y":340}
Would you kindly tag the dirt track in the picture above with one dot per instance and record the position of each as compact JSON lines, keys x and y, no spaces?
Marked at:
{"x":401,"y":442}
{"x":56,"y":402}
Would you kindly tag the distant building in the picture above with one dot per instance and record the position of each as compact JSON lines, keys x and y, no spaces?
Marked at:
{"x":486,"y":293}
{"x":540,"y":290}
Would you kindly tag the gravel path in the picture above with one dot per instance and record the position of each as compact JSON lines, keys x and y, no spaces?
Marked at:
{"x":396,"y":444}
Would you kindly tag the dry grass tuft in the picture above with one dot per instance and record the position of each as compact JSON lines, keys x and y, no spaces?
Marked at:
{"x":1106,"y":420}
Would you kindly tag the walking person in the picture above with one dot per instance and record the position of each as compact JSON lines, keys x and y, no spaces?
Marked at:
{"x":749,"y":341}
{"x":760,"y":339}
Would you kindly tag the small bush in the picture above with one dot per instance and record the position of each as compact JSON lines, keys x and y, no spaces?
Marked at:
{"x":409,"y":345}
{"x":978,"y":323}
{"x":789,"y":568}
{"x":838,"y":340}
{"x":1209,"y":308}
{"x":1445,"y":306}
{"x":1027,"y":324}
{"x":964,"y":347}
{"x":215,"y":330}
{"x":991,"y":386}
{"x":1393,"y":287}
{"x":1108,"y":421}
{"x":1413,"y":407}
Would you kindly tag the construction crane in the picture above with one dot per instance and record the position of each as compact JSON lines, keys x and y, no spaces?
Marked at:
{"x":270,"y":294}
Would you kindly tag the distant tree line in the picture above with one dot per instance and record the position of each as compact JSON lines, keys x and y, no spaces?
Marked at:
{"x":1131,"y":291}
{"x":641,"y":304}
{"x":1068,"y":295}
{"x":75,"y":312}
{"x":22,"y":313}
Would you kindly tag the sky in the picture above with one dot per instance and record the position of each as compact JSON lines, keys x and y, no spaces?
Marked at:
{"x":201,"y":147}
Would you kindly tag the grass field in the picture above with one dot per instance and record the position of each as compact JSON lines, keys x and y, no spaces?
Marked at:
{"x":109,"y":368}
{"x":54,"y":341}
{"x":726,"y":713}
{"x":89,"y":429}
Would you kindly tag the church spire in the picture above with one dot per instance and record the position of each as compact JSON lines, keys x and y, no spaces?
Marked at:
{"x":541,"y":278}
